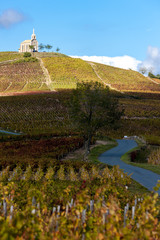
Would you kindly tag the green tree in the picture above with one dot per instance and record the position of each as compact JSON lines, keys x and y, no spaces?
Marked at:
{"x":92,"y":107}
{"x":57,"y":49}
{"x":41,"y":47}
{"x":48,"y":47}
{"x":32,"y":49}
{"x":151,"y":75}
{"x":158,"y":76}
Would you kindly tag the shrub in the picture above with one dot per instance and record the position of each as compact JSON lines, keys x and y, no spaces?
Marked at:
{"x":27,"y":54}
{"x":151,"y":75}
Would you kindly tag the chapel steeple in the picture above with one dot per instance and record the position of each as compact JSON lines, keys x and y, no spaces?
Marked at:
{"x":33,"y":35}
{"x":25,"y":45}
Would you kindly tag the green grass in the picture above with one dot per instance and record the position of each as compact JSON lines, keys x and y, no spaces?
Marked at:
{"x":126,"y":158}
{"x":96,"y":151}
{"x":134,"y":187}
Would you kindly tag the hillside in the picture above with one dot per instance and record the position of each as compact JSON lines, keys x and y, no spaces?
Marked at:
{"x":125,"y":80}
{"x":19,"y":75}
{"x":66,"y":72}
{"x":7,"y":56}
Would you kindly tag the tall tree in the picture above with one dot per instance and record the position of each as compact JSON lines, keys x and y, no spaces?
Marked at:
{"x":48,"y":47}
{"x":92,"y":106}
{"x":41,"y":47}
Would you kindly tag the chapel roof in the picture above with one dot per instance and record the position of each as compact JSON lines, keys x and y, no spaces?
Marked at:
{"x":27,"y":41}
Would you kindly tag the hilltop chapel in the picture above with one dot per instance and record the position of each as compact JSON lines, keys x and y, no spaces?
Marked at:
{"x":25,"y":45}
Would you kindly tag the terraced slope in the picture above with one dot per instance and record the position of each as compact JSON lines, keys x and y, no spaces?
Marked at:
{"x":125,"y":80}
{"x":21,"y":76}
{"x":58,"y":71}
{"x":65,"y":72}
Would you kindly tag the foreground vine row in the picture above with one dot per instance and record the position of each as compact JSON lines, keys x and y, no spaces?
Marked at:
{"x":92,"y":203}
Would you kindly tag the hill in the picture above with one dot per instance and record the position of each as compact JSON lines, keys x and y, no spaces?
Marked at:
{"x":20,"y":75}
{"x":66,"y":72}
{"x":125,"y":80}
{"x":7,"y":56}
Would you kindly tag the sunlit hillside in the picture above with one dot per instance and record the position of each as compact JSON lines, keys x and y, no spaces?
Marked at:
{"x":6,"y":56}
{"x":53,"y":71}
{"x":125,"y":80}
{"x":66,"y":72}
{"x":21,"y":76}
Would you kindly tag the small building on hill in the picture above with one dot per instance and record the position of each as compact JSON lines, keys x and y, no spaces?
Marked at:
{"x":25,"y":45}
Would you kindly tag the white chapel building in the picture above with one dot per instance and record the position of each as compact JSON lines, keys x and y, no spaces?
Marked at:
{"x":24,"y":47}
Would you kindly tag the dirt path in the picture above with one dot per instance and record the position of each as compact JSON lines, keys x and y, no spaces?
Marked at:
{"x":153,"y":80}
{"x":8,"y":61}
{"x":107,"y":84}
{"x":46,"y":74}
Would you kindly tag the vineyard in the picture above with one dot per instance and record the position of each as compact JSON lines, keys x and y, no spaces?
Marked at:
{"x":21,"y":76}
{"x":85,"y":203}
{"x":36,"y":114}
{"x":145,"y":108}
{"x":126,"y":80}
{"x":42,"y":152}
{"x":154,"y":157}
{"x":66,"y":72}
{"x":48,"y":113}
{"x":43,"y":194}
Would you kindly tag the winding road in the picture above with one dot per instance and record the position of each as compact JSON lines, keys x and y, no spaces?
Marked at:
{"x":112,"y":157}
{"x":10,"y":133}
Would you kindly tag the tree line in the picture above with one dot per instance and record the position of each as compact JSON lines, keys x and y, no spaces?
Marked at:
{"x":144,"y":70}
{"x":47,"y":47}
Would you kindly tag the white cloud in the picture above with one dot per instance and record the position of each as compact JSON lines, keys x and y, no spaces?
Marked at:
{"x":152,"y":61}
{"x":10,"y":17}
{"x":125,"y":62}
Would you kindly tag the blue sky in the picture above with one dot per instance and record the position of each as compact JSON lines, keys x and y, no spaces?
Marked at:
{"x":84,"y":27}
